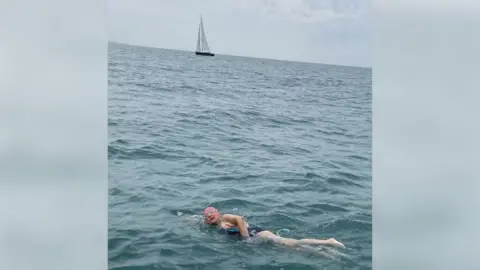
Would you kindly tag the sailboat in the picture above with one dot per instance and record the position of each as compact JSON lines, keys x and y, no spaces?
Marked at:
{"x":202,"y":44}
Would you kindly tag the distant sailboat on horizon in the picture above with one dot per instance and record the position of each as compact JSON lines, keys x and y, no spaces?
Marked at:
{"x":202,"y":44}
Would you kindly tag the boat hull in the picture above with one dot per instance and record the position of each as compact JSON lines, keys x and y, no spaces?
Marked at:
{"x":204,"y":53}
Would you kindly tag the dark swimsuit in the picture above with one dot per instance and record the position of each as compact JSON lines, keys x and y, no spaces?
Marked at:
{"x":252,"y":230}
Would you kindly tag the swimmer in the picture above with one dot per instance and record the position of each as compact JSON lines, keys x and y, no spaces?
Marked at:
{"x":236,"y":225}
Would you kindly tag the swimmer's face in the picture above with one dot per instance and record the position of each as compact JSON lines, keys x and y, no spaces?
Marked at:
{"x":212,"y":217}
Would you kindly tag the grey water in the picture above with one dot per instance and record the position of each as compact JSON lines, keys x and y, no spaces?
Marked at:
{"x":288,"y":145}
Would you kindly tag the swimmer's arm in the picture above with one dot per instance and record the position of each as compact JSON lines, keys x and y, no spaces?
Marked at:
{"x":239,"y":222}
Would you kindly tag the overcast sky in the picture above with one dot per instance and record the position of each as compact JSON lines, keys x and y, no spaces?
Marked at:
{"x":323,"y":31}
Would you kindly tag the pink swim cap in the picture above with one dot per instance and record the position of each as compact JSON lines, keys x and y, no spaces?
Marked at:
{"x":209,"y":209}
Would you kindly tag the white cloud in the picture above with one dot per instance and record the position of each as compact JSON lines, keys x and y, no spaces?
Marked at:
{"x":312,"y":10}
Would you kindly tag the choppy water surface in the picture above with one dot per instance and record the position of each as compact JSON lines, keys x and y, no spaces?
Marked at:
{"x":286,"y":144}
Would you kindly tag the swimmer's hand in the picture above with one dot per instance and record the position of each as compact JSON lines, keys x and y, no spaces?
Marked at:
{"x":249,"y":240}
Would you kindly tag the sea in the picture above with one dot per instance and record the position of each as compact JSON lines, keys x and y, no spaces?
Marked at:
{"x":288,"y":145}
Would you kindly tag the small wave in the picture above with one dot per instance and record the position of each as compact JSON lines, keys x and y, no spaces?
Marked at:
{"x":283,"y":218}
{"x":294,"y":82}
{"x":116,"y":192}
{"x":347,"y":224}
{"x":297,"y":181}
{"x":311,"y":175}
{"x":148,"y":152}
{"x":349,"y":176}
{"x":180,"y":212}
{"x":357,"y":157}
{"x":289,"y":189}
{"x":342,"y":182}
{"x":202,"y":160}
{"x":239,"y":178}
{"x":327,"y":207}
{"x":120,"y":141}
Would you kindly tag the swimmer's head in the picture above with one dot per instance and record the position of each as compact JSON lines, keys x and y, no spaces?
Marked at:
{"x":211,"y":215}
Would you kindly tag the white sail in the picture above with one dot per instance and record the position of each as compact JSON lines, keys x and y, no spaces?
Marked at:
{"x":202,"y":44}
{"x":199,"y":44}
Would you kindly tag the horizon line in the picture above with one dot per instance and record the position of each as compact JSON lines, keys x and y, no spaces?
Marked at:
{"x":243,"y":56}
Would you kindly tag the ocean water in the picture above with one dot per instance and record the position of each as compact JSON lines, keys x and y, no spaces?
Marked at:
{"x":287,"y":145}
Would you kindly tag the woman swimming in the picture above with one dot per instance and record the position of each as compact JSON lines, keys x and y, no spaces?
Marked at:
{"x":236,"y":225}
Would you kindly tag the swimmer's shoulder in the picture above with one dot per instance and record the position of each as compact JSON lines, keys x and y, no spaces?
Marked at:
{"x":227,"y":218}
{"x":233,"y":220}
{"x":231,"y":217}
